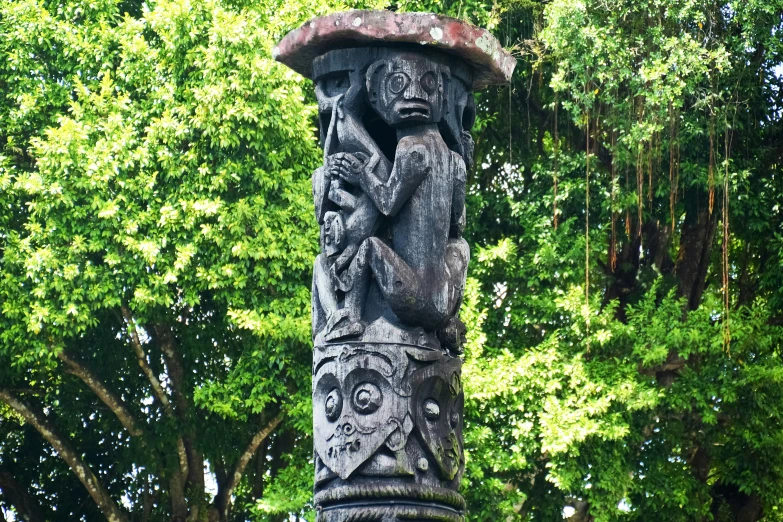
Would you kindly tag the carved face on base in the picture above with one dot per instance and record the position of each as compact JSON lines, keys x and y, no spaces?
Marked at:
{"x":437,"y":412}
{"x":356,"y":410}
{"x":407,"y":89}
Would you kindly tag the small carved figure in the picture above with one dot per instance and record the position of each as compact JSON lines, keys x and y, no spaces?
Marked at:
{"x":348,"y":215}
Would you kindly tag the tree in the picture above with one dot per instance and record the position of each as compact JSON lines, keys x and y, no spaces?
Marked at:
{"x":626,"y":217}
{"x":156,"y":252}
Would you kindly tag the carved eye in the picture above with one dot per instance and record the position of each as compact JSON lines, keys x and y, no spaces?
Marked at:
{"x":334,"y":85}
{"x":431,"y":409}
{"x":367,"y":398}
{"x":333,"y":404}
{"x":429,"y":83}
{"x":454,"y":419}
{"x":397,"y":82}
{"x":454,"y":384}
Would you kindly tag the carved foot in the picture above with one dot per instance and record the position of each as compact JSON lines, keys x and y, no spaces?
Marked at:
{"x":345,"y":166}
{"x":452,"y":335}
{"x":349,"y":330}
{"x":335,"y":318}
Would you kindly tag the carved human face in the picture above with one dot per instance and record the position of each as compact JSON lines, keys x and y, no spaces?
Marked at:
{"x":437,"y":408}
{"x":356,"y":411}
{"x":407,"y":89}
{"x":333,"y":233}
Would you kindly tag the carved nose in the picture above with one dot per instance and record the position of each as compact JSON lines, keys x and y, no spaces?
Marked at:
{"x":415,"y":92}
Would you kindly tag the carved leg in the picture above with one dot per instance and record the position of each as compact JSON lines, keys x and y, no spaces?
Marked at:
{"x":325,"y":304}
{"x":457,"y":257}
{"x":355,"y":281}
{"x":403,"y":289}
{"x":452,"y":334}
{"x":409,"y":295}
{"x":341,"y":278}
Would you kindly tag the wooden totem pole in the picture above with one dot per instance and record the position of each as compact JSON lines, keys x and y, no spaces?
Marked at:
{"x":395,"y":108}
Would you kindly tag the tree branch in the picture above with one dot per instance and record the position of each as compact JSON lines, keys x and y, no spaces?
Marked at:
{"x":96,"y":490}
{"x":163,"y":398}
{"x":175,"y":369}
{"x":223,"y":499}
{"x":115,"y":404}
{"x":141,"y":357}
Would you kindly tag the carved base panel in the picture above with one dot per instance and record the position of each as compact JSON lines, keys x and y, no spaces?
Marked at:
{"x":388,"y":432}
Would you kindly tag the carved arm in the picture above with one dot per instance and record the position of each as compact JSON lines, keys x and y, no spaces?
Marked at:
{"x":410,"y":168}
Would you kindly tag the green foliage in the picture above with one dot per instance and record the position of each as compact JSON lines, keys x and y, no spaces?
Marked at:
{"x":630,"y":399}
{"x":291,"y":491}
{"x":155,"y":160}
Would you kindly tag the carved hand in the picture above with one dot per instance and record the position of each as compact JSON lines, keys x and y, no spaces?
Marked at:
{"x":345,"y":166}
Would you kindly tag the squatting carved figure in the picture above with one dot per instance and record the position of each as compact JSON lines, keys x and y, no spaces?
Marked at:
{"x":419,"y":270}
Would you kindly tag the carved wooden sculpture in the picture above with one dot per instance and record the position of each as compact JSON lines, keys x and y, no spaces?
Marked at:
{"x":395,"y":110}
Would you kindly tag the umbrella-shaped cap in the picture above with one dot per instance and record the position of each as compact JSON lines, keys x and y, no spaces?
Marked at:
{"x":491,"y":64}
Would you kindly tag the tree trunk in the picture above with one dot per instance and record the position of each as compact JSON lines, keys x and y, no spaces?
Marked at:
{"x":27,"y":508}
{"x":175,"y":368}
{"x":743,"y":507}
{"x":96,"y":490}
{"x":623,"y":277}
{"x":693,"y":258}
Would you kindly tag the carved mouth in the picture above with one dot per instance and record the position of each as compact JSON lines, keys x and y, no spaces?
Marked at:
{"x":414,"y":110}
{"x":453,"y":455}
{"x":343,"y":448}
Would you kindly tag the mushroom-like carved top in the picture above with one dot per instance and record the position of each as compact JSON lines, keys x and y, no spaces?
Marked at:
{"x":492,"y":65}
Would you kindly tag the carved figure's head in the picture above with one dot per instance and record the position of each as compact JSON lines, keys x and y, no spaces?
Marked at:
{"x":407,"y":89}
{"x":459,"y":119}
{"x":437,"y":414}
{"x":356,"y":411}
{"x":333,"y":233}
{"x":328,"y":89}
{"x":466,"y":114}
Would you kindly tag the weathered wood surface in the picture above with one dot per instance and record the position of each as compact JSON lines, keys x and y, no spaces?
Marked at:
{"x":387,"y":287}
